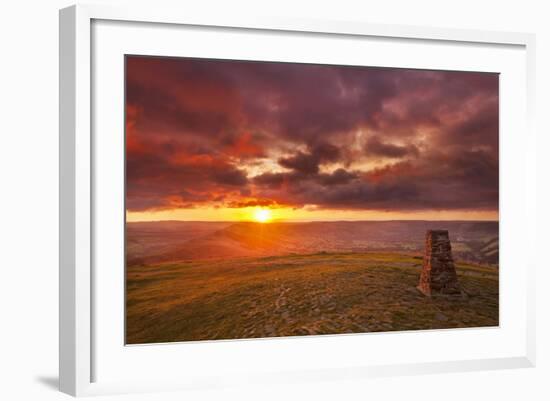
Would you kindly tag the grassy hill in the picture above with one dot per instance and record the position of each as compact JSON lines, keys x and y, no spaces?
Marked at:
{"x":301,"y":294}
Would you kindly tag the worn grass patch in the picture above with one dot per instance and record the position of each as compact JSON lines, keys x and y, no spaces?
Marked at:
{"x":323,"y":293}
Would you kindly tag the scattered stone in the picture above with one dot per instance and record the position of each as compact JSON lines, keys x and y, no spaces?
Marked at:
{"x":471,"y":292}
{"x":269,"y":329}
{"x":441,"y":317}
{"x":413,"y":290}
{"x":308,"y":330}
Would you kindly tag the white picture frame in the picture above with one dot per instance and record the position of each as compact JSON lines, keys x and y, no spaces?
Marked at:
{"x":77,"y":368}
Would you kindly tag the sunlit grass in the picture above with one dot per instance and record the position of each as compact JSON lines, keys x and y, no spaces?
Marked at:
{"x":322,"y":293}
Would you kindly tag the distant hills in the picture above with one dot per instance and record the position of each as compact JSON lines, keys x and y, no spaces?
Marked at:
{"x":171,"y":241}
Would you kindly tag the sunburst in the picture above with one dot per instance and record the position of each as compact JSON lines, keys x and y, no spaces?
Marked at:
{"x":263,"y":215}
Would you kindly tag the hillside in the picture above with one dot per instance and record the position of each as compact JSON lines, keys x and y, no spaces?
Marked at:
{"x":150,"y":243}
{"x":322,"y":293}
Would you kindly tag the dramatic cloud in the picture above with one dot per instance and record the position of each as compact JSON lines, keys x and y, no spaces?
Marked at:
{"x":236,"y":134}
{"x":377,"y":148}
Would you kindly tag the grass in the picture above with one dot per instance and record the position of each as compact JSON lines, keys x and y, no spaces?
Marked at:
{"x":323,"y":293}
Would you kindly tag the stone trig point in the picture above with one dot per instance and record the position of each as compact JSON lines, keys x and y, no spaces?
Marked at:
{"x":438,"y":275}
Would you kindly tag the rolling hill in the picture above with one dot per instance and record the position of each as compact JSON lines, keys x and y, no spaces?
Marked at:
{"x":160,"y":242}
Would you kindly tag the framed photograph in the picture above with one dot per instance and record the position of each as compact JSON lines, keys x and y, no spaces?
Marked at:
{"x":272,"y":200}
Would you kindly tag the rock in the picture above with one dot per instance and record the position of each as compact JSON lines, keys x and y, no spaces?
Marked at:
{"x":438,"y":276}
{"x":471,"y":292}
{"x":441,"y":317}
{"x":413,"y":290}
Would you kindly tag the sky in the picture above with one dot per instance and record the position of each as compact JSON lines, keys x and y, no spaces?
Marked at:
{"x":222,"y":140}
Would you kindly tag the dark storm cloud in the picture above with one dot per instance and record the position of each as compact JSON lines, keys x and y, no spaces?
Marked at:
{"x":308,"y":163}
{"x":337,"y":177}
{"x":195,"y":127}
{"x":302,"y":162}
{"x":464,"y":181}
{"x":229,"y":176}
{"x":271,"y":180}
{"x":377,"y":148}
{"x":480,"y":128}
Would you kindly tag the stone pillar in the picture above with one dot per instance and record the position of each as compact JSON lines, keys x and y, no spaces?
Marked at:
{"x":438,"y":275}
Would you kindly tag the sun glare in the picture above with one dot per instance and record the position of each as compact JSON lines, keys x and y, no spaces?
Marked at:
{"x":262,"y":215}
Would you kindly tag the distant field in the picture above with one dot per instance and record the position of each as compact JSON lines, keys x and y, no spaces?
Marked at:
{"x":170,"y":241}
{"x":301,"y":294}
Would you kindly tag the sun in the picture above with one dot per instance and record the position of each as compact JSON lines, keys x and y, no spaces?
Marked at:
{"x":262,"y":215}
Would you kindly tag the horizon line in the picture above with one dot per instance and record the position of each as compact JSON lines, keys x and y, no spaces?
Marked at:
{"x":316,"y":221}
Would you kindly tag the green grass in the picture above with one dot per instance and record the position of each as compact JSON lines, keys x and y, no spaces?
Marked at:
{"x":323,"y":293}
